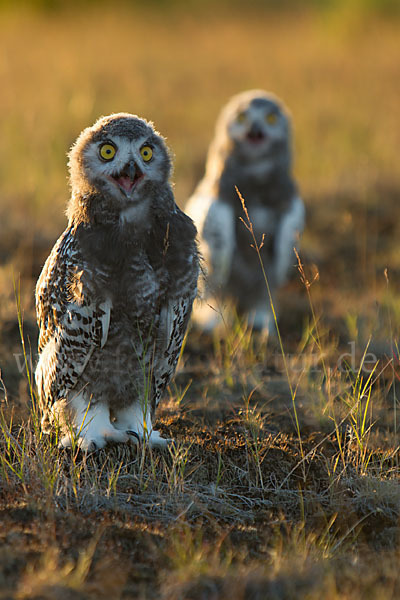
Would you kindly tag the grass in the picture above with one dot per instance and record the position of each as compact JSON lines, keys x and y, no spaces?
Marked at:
{"x":271,"y":490}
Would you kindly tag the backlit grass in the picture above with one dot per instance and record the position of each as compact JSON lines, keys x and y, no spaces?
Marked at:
{"x":271,"y":490}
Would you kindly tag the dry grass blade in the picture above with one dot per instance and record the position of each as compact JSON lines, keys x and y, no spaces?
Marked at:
{"x":284,"y":481}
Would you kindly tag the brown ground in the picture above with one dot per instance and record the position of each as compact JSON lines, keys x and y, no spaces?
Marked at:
{"x":250,"y":503}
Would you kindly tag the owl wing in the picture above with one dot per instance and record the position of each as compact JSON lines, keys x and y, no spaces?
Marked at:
{"x":173,"y":323}
{"x":71,"y":323}
{"x":287,"y":238}
{"x":215,"y":222}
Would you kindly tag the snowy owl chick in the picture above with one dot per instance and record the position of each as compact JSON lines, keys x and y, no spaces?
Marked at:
{"x":251,"y":150}
{"x":115,"y":295}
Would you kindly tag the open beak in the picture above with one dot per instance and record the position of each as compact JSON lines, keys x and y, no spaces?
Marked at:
{"x":128,"y":177}
{"x":256,"y":134}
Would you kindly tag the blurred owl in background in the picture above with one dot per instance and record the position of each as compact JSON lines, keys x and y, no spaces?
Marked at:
{"x":115,"y":295}
{"x":252,"y":151}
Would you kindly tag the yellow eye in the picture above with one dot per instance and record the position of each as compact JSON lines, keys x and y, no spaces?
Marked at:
{"x":146,"y":153}
{"x":107,"y":151}
{"x":241,"y":117}
{"x":271,"y":118}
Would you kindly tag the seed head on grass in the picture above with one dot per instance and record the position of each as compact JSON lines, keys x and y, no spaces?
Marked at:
{"x":249,"y":226}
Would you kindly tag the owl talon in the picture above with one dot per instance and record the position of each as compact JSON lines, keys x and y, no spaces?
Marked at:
{"x":88,"y":447}
{"x":133,"y":434}
{"x":83,"y":444}
{"x":156,"y":441}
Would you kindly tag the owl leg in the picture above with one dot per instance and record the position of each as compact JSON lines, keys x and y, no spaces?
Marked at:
{"x":135,"y":420}
{"x":261,"y":318}
{"x":90,"y":426}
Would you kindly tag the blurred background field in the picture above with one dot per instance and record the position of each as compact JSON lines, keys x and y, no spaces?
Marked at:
{"x":336,"y":65}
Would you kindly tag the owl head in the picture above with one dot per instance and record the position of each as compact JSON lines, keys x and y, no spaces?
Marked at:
{"x":254,"y":126}
{"x":117,"y":167}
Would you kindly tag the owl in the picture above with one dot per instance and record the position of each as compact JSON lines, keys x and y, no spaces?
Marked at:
{"x":115,"y":295}
{"x":251,"y":150}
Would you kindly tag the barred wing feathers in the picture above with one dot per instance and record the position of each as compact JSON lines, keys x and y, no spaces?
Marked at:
{"x":174,"y":320}
{"x":71,"y":323}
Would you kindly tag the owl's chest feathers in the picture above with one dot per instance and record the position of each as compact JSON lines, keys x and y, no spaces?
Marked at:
{"x":134,"y":274}
{"x":272,"y":190}
{"x":134,"y":287}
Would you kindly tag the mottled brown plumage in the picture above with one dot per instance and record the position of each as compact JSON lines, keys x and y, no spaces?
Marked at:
{"x":115,"y":295}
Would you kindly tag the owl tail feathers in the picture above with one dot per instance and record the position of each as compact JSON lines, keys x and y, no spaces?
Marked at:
{"x":54,"y":418}
{"x":46,"y":410}
{"x":46,"y":422}
{"x":51,"y":412}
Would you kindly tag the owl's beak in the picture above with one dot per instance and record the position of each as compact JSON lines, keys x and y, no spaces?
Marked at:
{"x":132,"y":169}
{"x":256,"y":134}
{"x":128,"y":177}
